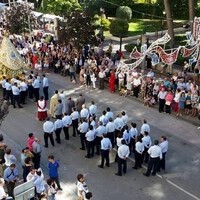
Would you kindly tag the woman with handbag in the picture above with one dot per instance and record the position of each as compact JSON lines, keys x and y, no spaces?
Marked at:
{"x":168,"y":101}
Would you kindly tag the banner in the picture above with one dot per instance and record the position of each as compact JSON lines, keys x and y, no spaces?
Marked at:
{"x":135,"y":54}
{"x":168,"y":58}
{"x":188,"y":52}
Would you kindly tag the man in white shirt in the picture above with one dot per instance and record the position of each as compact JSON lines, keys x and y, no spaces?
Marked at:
{"x":147,"y":143}
{"x":3,"y":82}
{"x":110,"y":129}
{"x":90,"y":136}
{"x":164,"y":147}
{"x":102,"y":75}
{"x":75,"y":118}
{"x":93,"y":110}
{"x":36,"y":88}
{"x":123,"y":153}
{"x":103,"y":118}
{"x":48,"y":128}
{"x":45,"y":87}
{"x":105,"y":148}
{"x":109,"y":114}
{"x":136,"y":86}
{"x":84,"y":114}
{"x":155,"y":153}
{"x":83,"y":128}
{"x":23,"y":88}
{"x":58,"y":125}
{"x":145,"y":127}
{"x":67,"y":121}
{"x":16,"y":95}
{"x":139,"y":149}
{"x":124,"y":118}
{"x":9,"y":95}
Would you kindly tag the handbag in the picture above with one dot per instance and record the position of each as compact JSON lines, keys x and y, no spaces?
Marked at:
{"x":168,"y":103}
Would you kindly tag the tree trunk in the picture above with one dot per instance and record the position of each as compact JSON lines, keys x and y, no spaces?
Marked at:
{"x":120,"y":43}
{"x":169,"y":21}
{"x":191,"y":13}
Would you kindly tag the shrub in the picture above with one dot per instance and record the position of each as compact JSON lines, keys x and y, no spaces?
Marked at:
{"x":119,"y":27}
{"x":124,"y":12}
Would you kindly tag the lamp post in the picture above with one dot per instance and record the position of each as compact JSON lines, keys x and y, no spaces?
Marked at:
{"x":102,"y":11}
{"x":162,"y":22}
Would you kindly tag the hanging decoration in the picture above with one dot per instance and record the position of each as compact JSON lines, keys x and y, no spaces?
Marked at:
{"x":188,"y":52}
{"x":135,"y":54}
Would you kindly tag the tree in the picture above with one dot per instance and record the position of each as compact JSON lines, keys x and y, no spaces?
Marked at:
{"x":61,"y":7}
{"x":169,"y":21}
{"x":124,"y":12}
{"x":78,"y":29}
{"x":119,"y":28}
{"x":19,"y":19}
{"x":191,"y":12}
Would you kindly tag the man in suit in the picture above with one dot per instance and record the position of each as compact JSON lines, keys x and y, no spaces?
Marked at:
{"x":79,"y":102}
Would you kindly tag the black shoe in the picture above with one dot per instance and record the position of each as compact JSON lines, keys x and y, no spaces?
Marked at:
{"x":74,"y":135}
{"x":59,"y":189}
{"x":145,"y":174}
{"x":134,"y":167}
{"x":24,"y":103}
{"x":20,"y":106}
{"x":87,"y":156}
{"x":14,"y":106}
{"x":82,"y":148}
{"x":118,"y":174}
{"x":107,"y":165}
{"x":153,"y":174}
{"x":97,"y":153}
{"x":66,"y":138}
{"x":45,"y":146}
{"x":100,"y":166}
{"x":92,"y":155}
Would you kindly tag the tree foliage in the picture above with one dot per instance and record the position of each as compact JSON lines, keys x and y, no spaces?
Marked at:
{"x":124,"y":12}
{"x":19,"y":19}
{"x":78,"y":29}
{"x":61,"y":7}
{"x":119,"y":27}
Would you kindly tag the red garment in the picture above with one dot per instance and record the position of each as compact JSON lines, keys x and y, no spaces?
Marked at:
{"x":34,"y":60}
{"x":30,"y":143}
{"x":112,"y":82}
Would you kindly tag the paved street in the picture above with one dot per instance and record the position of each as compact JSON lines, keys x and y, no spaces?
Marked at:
{"x":181,"y":181}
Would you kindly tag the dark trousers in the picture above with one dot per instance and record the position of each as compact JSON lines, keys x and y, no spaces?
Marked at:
{"x":161,"y":105}
{"x":57,"y":132}
{"x":153,"y":164}
{"x":66,"y":132}
{"x":36,"y":160}
{"x":16,"y":98}
{"x":4,"y":92}
{"x":161,"y":164}
{"x":88,"y":80}
{"x":105,"y":156}
{"x":145,"y":155}
{"x":101,"y":83}
{"x":46,"y":93}
{"x":10,"y":188}
{"x":90,"y":148}
{"x":9,"y":96}
{"x":56,"y":179}
{"x":23,"y":97}
{"x":30,"y":91}
{"x":37,"y":93}
{"x":122,"y":164}
{"x":168,"y":109}
{"x":111,"y":136}
{"x":46,"y":136}
{"x":98,"y":144}
{"x":75,"y":126}
{"x":83,"y":140}
{"x":138,"y":160}
{"x":132,"y":145}
{"x":136,"y":91}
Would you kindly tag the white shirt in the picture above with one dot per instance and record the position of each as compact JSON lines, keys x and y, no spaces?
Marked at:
{"x":124,"y":119}
{"x":8,"y":86}
{"x":15,"y":90}
{"x":3,"y":83}
{"x":109,"y":115}
{"x":103,"y":119}
{"x":136,"y":82}
{"x":139,"y":147}
{"x":147,"y":141}
{"x":155,"y":151}
{"x":82,"y":189}
{"x":164,"y":146}
{"x":133,"y":132}
{"x":67,"y":120}
{"x":2,"y":193}
{"x":84,"y":113}
{"x":36,"y":83}
{"x":100,"y":130}
{"x":23,"y":86}
{"x":145,"y":128}
{"x":45,"y":82}
{"x":9,"y":159}
{"x":93,"y":110}
{"x":90,"y":135}
{"x":75,"y":115}
{"x":162,"y":94}
{"x":48,"y":127}
{"x":83,"y":128}
{"x":102,"y":74}
{"x":119,"y":141}
{"x":36,"y":147}
{"x":118,"y":123}
{"x":110,"y":127}
{"x":106,"y":144}
{"x":123,"y":151}
{"x":58,"y":124}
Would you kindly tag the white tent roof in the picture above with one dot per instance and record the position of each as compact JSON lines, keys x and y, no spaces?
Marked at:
{"x":37,"y":14}
{"x":50,"y":16}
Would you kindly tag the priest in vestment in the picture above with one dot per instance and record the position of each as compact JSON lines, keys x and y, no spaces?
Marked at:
{"x":53,"y":103}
